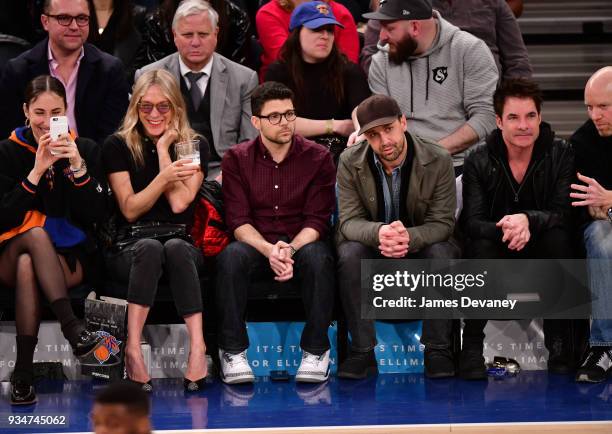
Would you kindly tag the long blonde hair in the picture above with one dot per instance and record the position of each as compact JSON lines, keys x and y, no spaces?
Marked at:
{"x":129,"y":129}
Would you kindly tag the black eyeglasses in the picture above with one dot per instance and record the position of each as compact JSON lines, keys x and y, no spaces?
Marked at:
{"x":147,"y":107}
{"x":66,"y":20}
{"x":275,"y":118}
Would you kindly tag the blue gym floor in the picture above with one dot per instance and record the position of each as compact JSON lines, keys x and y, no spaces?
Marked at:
{"x":389,"y":399}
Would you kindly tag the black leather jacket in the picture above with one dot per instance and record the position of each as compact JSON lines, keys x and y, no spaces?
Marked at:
{"x":157,"y":40}
{"x":484,"y":173}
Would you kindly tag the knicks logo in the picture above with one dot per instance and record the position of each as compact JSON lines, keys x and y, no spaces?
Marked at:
{"x":323,"y":9}
{"x":440,"y":74}
{"x":108,"y":346}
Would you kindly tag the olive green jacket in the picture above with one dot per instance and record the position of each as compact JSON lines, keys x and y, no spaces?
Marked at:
{"x":430,"y":202}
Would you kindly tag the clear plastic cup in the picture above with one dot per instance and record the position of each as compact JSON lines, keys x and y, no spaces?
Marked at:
{"x":188,"y":149}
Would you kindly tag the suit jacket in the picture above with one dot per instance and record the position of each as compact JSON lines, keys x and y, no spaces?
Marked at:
{"x":430,"y":202}
{"x":101,"y":96}
{"x":230,"y":98}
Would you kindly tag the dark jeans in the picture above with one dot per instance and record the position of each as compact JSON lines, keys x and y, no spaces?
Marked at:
{"x":436,"y":332}
{"x":142,"y":265}
{"x":240,"y":264}
{"x":551,"y":244}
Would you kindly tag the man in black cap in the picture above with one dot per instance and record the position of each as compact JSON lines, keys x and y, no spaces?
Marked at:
{"x":442,"y":77}
{"x":396,"y":199}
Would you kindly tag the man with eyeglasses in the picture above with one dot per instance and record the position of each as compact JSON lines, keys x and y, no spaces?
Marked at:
{"x":95,"y":83}
{"x":278,"y":192}
{"x":216,"y":90}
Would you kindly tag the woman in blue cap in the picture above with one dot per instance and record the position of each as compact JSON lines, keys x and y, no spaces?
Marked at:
{"x":326,"y":85}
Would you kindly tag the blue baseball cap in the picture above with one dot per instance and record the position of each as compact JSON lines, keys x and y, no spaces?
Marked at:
{"x":312,"y":15}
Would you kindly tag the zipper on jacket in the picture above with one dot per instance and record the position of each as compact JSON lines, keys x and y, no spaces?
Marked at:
{"x":522,"y":184}
{"x":411,"y":92}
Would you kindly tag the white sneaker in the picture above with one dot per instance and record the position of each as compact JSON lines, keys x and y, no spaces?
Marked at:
{"x":313,"y":369}
{"x":235,"y":368}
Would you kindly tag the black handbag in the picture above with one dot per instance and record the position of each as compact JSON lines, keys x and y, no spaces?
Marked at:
{"x":161,"y":231}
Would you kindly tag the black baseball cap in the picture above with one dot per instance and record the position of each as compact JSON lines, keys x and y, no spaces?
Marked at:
{"x":391,"y":10}
{"x":375,"y":111}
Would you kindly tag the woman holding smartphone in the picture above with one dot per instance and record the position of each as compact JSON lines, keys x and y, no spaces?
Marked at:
{"x":155,"y":192}
{"x":48,"y":199}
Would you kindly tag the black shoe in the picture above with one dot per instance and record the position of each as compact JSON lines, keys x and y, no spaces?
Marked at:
{"x":87,"y":342}
{"x":596,"y":366}
{"x":194,"y":386}
{"x":472,"y":363}
{"x":358,"y":365}
{"x":439,"y":363}
{"x":559,"y":357}
{"x":22,"y":392}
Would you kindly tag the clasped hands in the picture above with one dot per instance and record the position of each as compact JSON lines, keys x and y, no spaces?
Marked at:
{"x":393,"y":240}
{"x":515,"y":228}
{"x":281,"y":261}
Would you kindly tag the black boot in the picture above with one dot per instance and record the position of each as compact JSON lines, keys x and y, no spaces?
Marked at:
{"x":358,"y":365}
{"x":439,"y":363}
{"x":471,"y":361}
{"x":85,"y":343}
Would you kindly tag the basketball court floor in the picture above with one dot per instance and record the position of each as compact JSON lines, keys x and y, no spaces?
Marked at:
{"x":534,"y":401}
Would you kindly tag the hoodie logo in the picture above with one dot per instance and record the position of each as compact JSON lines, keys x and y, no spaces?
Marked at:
{"x":440,"y":74}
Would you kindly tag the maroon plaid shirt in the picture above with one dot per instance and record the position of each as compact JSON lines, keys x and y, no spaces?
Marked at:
{"x":279,"y":199}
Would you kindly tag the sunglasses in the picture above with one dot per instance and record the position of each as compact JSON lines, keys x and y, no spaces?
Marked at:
{"x":147,"y":107}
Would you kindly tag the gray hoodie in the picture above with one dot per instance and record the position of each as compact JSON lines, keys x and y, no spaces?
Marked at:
{"x":440,"y":90}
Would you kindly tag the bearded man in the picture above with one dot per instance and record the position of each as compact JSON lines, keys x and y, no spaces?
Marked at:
{"x":442,"y":77}
{"x":396,"y":199}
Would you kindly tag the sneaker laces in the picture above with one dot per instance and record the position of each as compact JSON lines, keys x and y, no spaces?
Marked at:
{"x":234,"y":359}
{"x":312,"y":359}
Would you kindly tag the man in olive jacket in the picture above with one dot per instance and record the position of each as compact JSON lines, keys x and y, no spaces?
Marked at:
{"x":396,"y":199}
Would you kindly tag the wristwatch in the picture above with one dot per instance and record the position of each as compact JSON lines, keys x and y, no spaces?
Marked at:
{"x":293,"y":251}
{"x":610,"y":215}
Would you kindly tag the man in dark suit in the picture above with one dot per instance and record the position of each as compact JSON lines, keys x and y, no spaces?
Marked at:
{"x":216,"y":90}
{"x":95,"y":82}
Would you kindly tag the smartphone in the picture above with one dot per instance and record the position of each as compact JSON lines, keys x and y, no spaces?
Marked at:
{"x":279,"y":375}
{"x":58,"y":125}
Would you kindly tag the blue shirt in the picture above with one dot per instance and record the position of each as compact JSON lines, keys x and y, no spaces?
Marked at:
{"x":391,"y":196}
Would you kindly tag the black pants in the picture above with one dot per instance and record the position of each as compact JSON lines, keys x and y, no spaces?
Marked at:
{"x":142,"y":265}
{"x":436,"y":332}
{"x":551,"y":244}
{"x":240,"y":264}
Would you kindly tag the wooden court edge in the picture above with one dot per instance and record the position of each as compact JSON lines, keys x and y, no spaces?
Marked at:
{"x":597,"y":427}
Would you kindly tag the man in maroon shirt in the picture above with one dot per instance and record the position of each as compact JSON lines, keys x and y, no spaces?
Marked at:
{"x":279,"y":195}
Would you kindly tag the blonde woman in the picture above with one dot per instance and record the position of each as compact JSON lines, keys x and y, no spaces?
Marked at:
{"x":155,"y":193}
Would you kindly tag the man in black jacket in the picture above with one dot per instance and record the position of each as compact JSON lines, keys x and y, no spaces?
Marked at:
{"x":593,"y":146}
{"x":516,"y":205}
{"x":95,"y":82}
